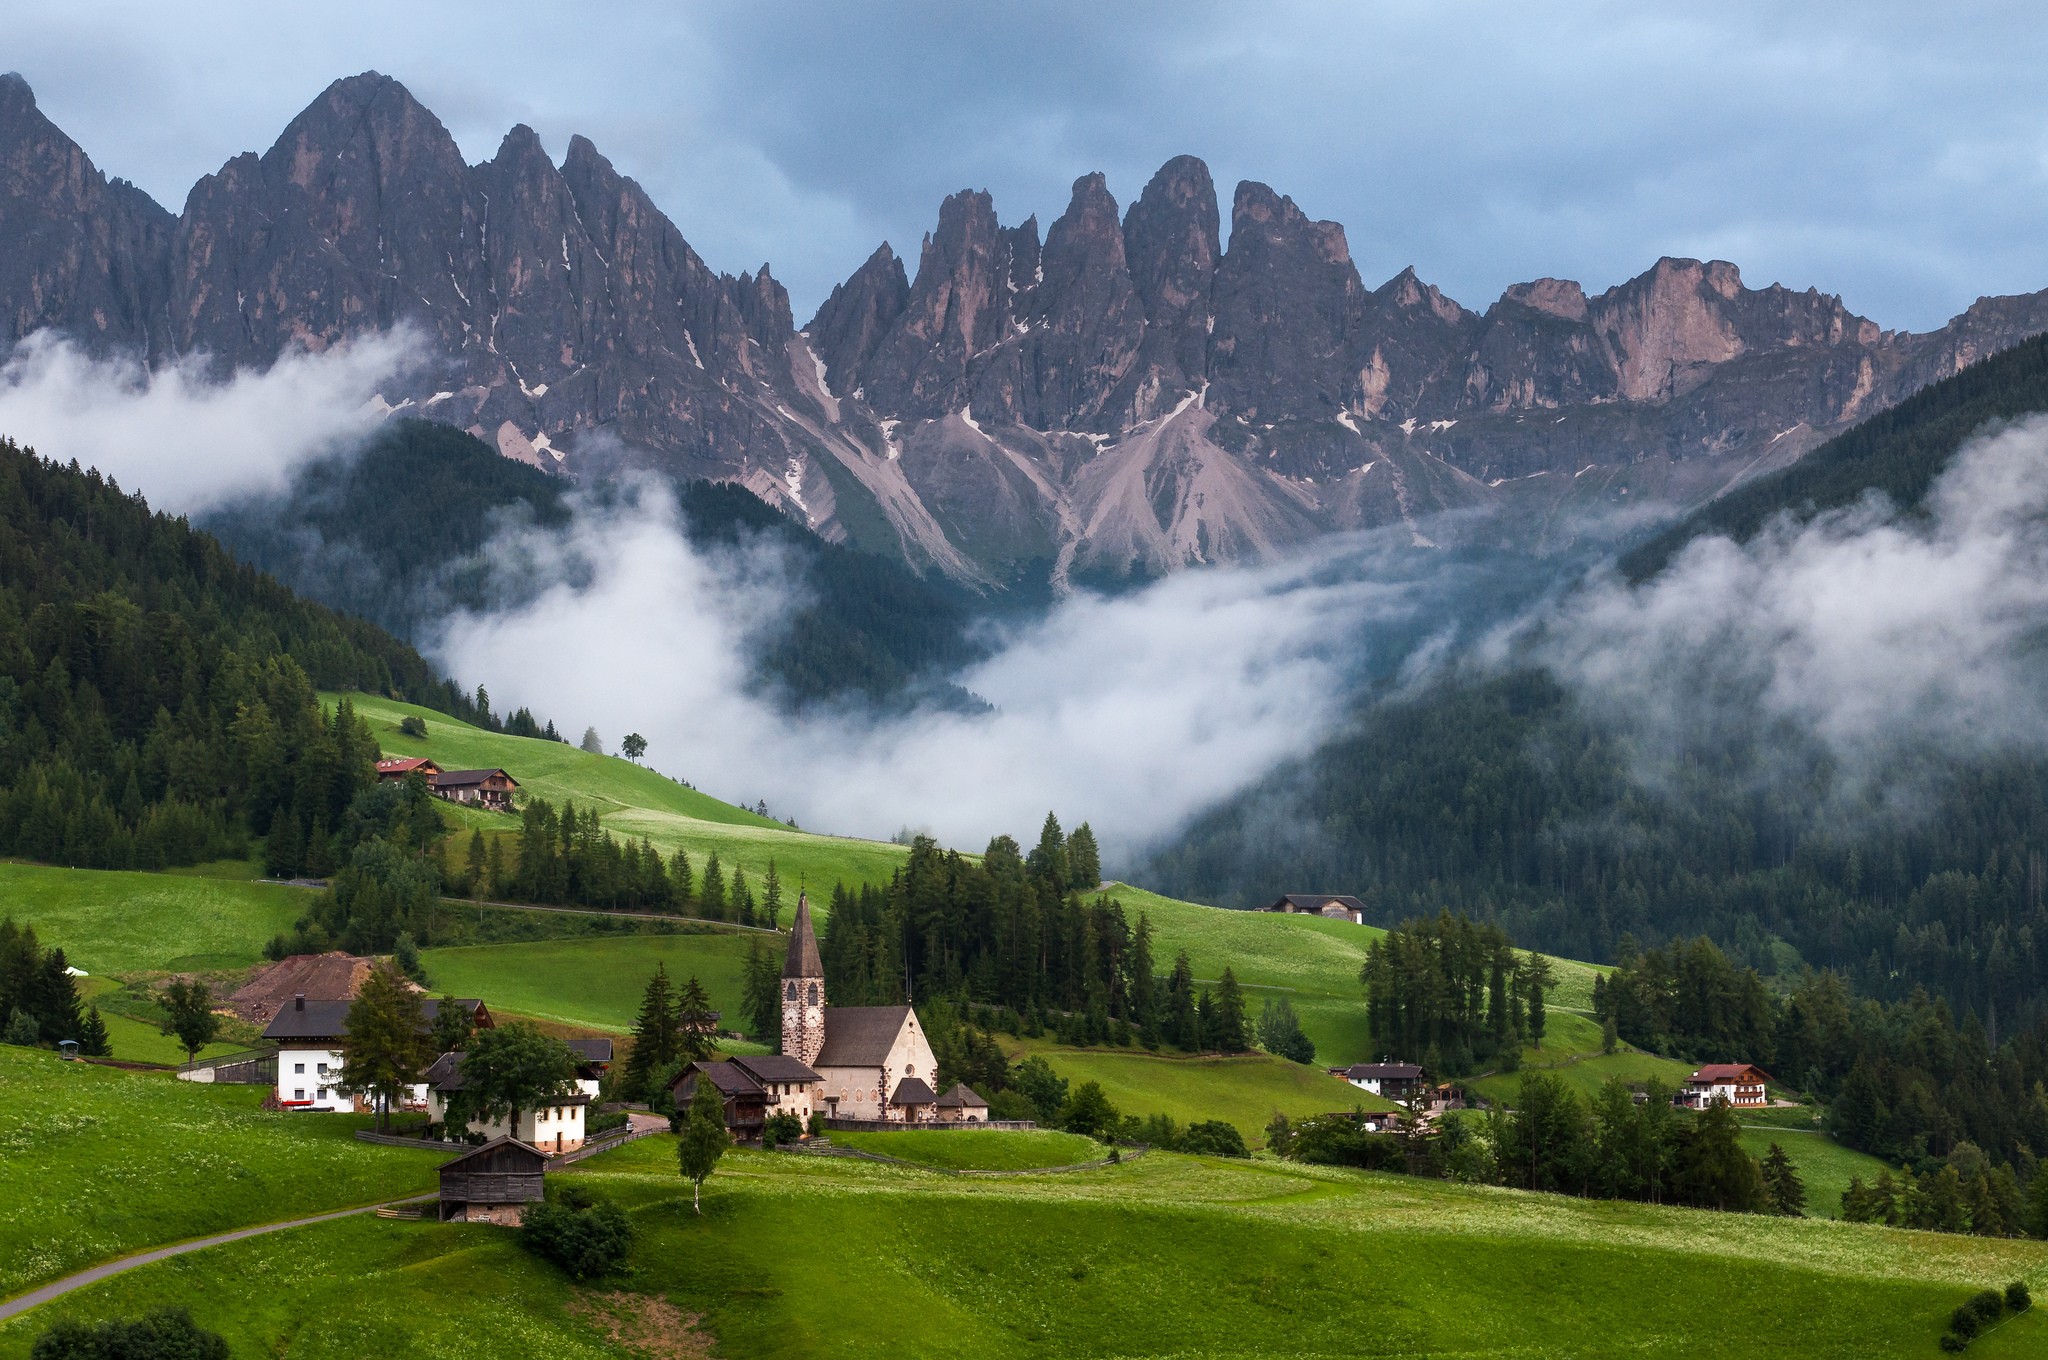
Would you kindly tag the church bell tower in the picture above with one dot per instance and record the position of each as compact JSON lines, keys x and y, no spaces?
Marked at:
{"x":803,"y":990}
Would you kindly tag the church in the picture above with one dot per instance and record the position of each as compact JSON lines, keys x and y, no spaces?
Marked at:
{"x":842,"y":1062}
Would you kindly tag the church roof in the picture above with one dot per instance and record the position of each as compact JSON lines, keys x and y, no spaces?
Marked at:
{"x":912,"y":1091}
{"x":860,"y":1036}
{"x":803,"y":960}
{"x":962,"y":1096}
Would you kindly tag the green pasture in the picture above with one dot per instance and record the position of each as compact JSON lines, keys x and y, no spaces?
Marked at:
{"x":96,"y":1162}
{"x":1163,"y":1256}
{"x":596,"y":982}
{"x":1824,"y":1165}
{"x":109,"y":922}
{"x":978,"y":1149}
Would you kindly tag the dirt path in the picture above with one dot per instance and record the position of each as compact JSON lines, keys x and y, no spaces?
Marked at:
{"x":58,"y":1288}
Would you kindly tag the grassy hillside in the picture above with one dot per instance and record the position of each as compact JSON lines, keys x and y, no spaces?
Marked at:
{"x":1164,"y":1256}
{"x":127,"y":922}
{"x":593,"y":983}
{"x":979,"y":1149}
{"x":97,"y":1162}
{"x":1824,"y":1165}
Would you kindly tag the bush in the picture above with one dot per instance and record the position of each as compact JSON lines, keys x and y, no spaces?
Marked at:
{"x":2017,"y":1297}
{"x":1012,"y":1105}
{"x":1952,"y":1343}
{"x":413,"y":726}
{"x":778,"y":1129}
{"x":1214,"y":1138}
{"x":585,"y":1234}
{"x":168,"y":1334}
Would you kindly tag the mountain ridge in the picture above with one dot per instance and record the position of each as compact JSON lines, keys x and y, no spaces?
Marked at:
{"x":1128,"y":394}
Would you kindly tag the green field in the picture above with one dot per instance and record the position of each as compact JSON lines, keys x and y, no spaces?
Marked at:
{"x":97,"y":1162}
{"x":978,"y":1149}
{"x":1246,"y":1090}
{"x":1824,"y":1165}
{"x":1164,"y":1256}
{"x":134,"y":922}
{"x":1571,"y":1050}
{"x":633,"y":800}
{"x":594,"y":983}
{"x":139,"y":1041}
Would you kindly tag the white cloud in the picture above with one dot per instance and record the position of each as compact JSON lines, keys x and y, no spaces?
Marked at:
{"x":187,"y":441}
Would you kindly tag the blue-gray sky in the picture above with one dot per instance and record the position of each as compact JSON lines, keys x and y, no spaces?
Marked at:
{"x":1894,"y":153}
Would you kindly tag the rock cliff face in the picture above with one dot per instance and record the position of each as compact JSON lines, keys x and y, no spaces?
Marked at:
{"x":1130,"y":394}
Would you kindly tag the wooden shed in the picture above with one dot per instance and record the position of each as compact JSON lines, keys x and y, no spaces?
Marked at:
{"x":493,"y":1184}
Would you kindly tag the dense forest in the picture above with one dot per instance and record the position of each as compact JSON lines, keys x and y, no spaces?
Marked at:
{"x":157,"y":698}
{"x":1496,"y":793}
{"x":410,"y":528}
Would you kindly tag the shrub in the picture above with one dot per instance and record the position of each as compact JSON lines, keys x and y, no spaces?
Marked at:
{"x":1214,"y":1138}
{"x":1953,"y":1343}
{"x":2017,"y":1296}
{"x":168,"y":1334}
{"x":585,"y":1234}
{"x":413,"y":726}
{"x":781,"y":1128}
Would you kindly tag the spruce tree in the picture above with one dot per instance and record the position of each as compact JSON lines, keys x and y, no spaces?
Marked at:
{"x":388,"y":1045}
{"x":712,"y":894}
{"x":92,"y":1036}
{"x":1783,"y":1184}
{"x":682,"y":888}
{"x":742,"y":897}
{"x":1228,"y":1032}
{"x":771,"y":898}
{"x":1084,"y":861}
{"x":1539,"y":978}
{"x":696,"y":1031}
{"x":477,"y":856}
{"x":655,"y":1043}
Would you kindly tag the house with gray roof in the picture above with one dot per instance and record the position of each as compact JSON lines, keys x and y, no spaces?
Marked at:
{"x":311,"y":1035}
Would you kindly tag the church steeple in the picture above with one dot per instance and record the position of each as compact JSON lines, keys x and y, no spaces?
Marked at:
{"x":803,"y":989}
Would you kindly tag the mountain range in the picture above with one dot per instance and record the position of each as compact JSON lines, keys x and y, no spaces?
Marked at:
{"x":1125,"y":393}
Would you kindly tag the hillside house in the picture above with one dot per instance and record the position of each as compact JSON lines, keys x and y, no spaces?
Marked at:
{"x":552,"y":1128}
{"x":753,"y":1087}
{"x":1740,"y":1084}
{"x":311,"y":1037}
{"x":593,"y":1060}
{"x":1330,"y":906}
{"x":481,"y":788}
{"x":394,"y":768}
{"x":493,"y":1184}
{"x":1390,"y":1080}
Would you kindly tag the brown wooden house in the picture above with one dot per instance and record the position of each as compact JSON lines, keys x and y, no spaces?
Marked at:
{"x":493,"y":1184}
{"x":485,"y":788}
{"x":393,"y":768}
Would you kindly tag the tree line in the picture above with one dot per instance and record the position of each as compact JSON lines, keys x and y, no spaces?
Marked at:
{"x":1454,"y":994}
{"x":39,"y":1003}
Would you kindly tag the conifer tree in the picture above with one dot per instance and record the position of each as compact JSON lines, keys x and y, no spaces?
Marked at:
{"x":696,"y":1030}
{"x":1084,"y":861}
{"x":1048,"y":862}
{"x":92,"y":1036}
{"x":494,"y":869}
{"x":1538,"y":980}
{"x":655,"y":1042}
{"x":713,"y":891}
{"x":771,"y":898}
{"x":476,"y":864}
{"x":681,"y":884}
{"x":1782,"y":1183}
{"x":453,"y":1026}
{"x":388,"y":1046}
{"x":762,"y":993}
{"x":742,"y":897}
{"x":1228,"y":1033}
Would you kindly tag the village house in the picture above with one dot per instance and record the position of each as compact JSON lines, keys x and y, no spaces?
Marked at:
{"x":483,"y":788}
{"x":1331,"y":906}
{"x":394,"y":768}
{"x":554,"y":1127}
{"x":493,"y":1184}
{"x":1391,"y":1080}
{"x":754,"y":1087}
{"x":1740,"y":1084}
{"x":311,"y":1038}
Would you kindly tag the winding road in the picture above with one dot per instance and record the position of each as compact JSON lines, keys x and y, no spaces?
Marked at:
{"x":58,"y":1288}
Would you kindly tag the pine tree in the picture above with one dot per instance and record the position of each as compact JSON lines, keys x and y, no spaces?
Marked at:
{"x":1084,"y":862}
{"x":696,"y":1030}
{"x":477,"y":857}
{"x":655,"y":1042}
{"x":713,"y":891}
{"x":771,"y":898}
{"x":92,"y":1036}
{"x":1782,"y":1183}
{"x":1228,"y":1033}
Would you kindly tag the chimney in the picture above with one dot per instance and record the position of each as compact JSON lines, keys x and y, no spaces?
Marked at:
{"x":299,"y":1001}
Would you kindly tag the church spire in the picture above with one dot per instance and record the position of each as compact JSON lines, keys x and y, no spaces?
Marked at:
{"x":802,"y":960}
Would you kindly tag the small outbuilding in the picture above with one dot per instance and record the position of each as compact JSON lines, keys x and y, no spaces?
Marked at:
{"x":1330,"y":906}
{"x":493,"y":1184}
{"x":962,"y":1106}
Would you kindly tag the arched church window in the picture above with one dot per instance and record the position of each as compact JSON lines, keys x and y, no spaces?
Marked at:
{"x":789,"y":993}
{"x":814,"y":994}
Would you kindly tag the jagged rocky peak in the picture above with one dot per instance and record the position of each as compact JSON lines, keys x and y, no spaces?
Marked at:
{"x":960,"y":304}
{"x":1172,"y":242}
{"x":1081,"y":323}
{"x":1561,"y":298}
{"x":852,"y":321}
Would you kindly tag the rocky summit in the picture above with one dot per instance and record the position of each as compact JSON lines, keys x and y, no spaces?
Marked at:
{"x":1122,"y":394}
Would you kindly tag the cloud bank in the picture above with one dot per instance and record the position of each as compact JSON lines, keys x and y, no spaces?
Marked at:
{"x":188,"y":442}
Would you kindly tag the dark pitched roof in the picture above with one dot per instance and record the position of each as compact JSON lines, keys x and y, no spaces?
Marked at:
{"x":466,"y":778}
{"x":728,"y":1077}
{"x":306,"y":1018}
{"x":1315,"y":901}
{"x":802,"y":961}
{"x":962,"y":1096}
{"x":592,"y":1050}
{"x":913,"y":1091}
{"x":497,"y":1146}
{"x":444,"y":1074}
{"x":1384,"y":1070}
{"x":1725,"y":1072}
{"x":775,"y":1067}
{"x":860,"y":1036}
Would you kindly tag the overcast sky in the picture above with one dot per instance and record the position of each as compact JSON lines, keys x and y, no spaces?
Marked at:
{"x":1894,"y":153}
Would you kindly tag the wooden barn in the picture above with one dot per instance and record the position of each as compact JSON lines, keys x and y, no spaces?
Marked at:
{"x":1332,"y":906}
{"x":493,"y":1184}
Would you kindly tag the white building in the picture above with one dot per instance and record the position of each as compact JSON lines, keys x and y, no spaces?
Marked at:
{"x":312,"y":1036}
{"x":554,"y":1127}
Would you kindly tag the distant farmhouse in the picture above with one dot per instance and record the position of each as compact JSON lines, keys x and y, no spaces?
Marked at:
{"x":1391,"y":1080}
{"x":493,"y":1184}
{"x":1740,"y":1084}
{"x":485,"y":788}
{"x":555,"y":1127}
{"x":1332,"y":906}
{"x":845,"y":1062}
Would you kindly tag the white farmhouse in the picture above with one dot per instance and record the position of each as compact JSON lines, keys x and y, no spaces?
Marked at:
{"x":312,"y":1036}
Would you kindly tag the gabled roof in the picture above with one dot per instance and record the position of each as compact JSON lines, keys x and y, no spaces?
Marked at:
{"x":307,"y":1018}
{"x":962,"y":1097}
{"x":592,"y":1050}
{"x":1713,"y":1073}
{"x":406,"y":765}
{"x":802,"y":960}
{"x":444,"y":1074}
{"x":462,"y":779}
{"x":765,"y":1067}
{"x":1315,"y":901}
{"x":860,"y":1036}
{"x":913,"y":1091}
{"x":727,"y":1076}
{"x":500,"y":1144}
{"x":1397,"y":1071}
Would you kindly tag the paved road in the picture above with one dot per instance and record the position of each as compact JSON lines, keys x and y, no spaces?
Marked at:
{"x":59,"y":1288}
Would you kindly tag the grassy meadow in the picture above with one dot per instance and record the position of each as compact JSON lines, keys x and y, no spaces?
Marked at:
{"x":1824,"y":1165}
{"x":109,"y":922}
{"x":978,"y":1149}
{"x":1163,"y":1256}
{"x":96,"y":1163}
{"x":593,"y":983}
